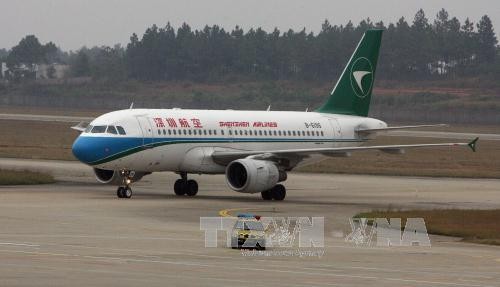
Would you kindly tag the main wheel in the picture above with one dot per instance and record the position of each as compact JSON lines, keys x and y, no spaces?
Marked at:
{"x":119,"y":192}
{"x":191,"y":187}
{"x":127,"y":192}
{"x":267,"y":195}
{"x":279,"y":192}
{"x":180,"y":187}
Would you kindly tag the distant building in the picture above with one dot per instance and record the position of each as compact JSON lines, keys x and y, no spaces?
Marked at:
{"x":51,"y":71}
{"x":35,"y":71}
{"x":3,"y":69}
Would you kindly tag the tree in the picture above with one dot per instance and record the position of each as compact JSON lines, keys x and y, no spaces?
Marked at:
{"x":81,"y":65}
{"x":29,"y":51}
{"x":486,"y":39}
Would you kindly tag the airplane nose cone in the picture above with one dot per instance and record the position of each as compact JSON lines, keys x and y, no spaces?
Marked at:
{"x":87,"y":149}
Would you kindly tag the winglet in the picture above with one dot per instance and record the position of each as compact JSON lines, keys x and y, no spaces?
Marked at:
{"x":472,"y":144}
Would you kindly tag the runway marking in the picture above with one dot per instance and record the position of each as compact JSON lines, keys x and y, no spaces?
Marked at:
{"x":19,"y":244}
{"x":227,"y":212}
{"x":255,"y":269}
{"x":99,"y":236}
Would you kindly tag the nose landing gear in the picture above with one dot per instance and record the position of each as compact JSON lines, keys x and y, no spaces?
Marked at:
{"x":125,"y":191}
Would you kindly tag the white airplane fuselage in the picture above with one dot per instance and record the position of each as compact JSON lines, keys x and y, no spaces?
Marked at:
{"x":183,"y":140}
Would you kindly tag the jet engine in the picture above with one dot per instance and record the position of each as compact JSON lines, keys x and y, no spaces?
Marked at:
{"x":252,"y":176}
{"x":114,"y":177}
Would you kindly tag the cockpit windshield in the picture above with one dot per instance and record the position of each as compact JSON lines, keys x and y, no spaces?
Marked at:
{"x":112,"y":130}
{"x":105,"y":129}
{"x":120,"y":130}
{"x":98,"y":129}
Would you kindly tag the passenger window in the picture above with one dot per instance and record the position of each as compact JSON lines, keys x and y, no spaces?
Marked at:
{"x":230,"y":132}
{"x":308,"y":133}
{"x":184,"y":132}
{"x":322,"y":133}
{"x":303,"y":133}
{"x":246,"y":132}
{"x":189,"y":132}
{"x":112,"y":130}
{"x":120,"y":130}
{"x":88,"y":129}
{"x":260,"y":133}
{"x":289,"y":133}
{"x":210,"y":132}
{"x":265,"y":133}
{"x":215,"y":132}
{"x":99,"y":129}
{"x":274,"y":132}
{"x":169,"y":132}
{"x":279,"y":133}
{"x":293,"y":133}
{"x":159,"y":132}
{"x":222,"y":132}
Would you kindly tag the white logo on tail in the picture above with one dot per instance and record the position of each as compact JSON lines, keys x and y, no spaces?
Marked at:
{"x":358,"y":76}
{"x":361,"y":77}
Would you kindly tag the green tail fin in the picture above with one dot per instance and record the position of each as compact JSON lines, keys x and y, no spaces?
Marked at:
{"x":352,"y":93}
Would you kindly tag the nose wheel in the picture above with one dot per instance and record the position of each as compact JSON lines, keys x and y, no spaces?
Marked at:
{"x":124,"y":192}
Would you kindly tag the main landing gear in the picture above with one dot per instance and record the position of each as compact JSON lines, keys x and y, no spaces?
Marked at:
{"x":278,"y":192}
{"x":183,"y":186}
{"x":124,"y":191}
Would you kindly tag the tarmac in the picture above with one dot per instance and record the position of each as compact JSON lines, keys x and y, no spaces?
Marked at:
{"x":78,"y":233}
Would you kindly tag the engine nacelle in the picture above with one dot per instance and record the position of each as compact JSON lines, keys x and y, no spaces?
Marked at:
{"x":252,"y":176}
{"x":114,"y":177}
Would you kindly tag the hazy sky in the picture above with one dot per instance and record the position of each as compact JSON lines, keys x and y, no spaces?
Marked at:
{"x":74,"y":23}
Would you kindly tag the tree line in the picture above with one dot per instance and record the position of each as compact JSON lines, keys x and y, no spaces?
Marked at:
{"x":416,"y":50}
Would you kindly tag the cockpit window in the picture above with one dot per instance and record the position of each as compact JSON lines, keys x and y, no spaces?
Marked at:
{"x":120,"y":130}
{"x":88,"y":129}
{"x":98,"y":129}
{"x":112,"y":130}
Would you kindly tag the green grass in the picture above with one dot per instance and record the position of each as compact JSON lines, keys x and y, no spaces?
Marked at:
{"x":473,"y":225}
{"x":11,"y":177}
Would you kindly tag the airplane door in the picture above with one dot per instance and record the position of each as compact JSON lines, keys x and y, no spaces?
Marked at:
{"x":147,"y":130}
{"x":337,"y":131}
{"x":145,"y":159}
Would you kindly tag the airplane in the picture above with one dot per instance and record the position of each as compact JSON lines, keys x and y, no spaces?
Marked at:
{"x":254,"y":149}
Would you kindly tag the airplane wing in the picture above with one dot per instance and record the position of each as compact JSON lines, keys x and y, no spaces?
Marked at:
{"x":296,"y":155}
{"x":81,"y":126}
{"x":388,"y":129}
